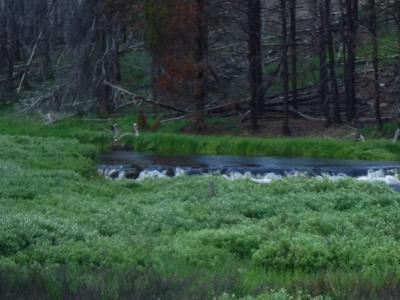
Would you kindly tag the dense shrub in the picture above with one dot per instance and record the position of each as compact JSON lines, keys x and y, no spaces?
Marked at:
{"x":58,"y":221}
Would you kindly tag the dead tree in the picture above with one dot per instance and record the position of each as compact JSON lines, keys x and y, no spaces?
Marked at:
{"x":93,"y":47}
{"x":42,"y":14}
{"x":285,"y":66}
{"x":293,"y":51}
{"x":375,"y":60}
{"x":334,"y":89}
{"x":397,"y":22}
{"x":255,"y":61}
{"x":351,"y":15}
{"x":200,"y":52}
{"x":323,"y":71}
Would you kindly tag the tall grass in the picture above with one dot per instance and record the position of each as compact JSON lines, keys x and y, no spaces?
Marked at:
{"x":280,"y":147}
{"x":89,"y":132}
{"x":168,"y":140}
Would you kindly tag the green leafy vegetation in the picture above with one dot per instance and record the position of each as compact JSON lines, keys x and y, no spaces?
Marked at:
{"x":66,"y":234}
{"x":48,"y":153}
{"x":293,"y":147}
{"x":89,"y":132}
{"x":168,"y":140}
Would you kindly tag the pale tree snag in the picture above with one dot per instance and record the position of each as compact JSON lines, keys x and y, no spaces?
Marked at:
{"x":29,"y":63}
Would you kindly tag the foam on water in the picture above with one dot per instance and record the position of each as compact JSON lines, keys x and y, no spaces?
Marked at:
{"x":389,"y":177}
{"x":380,"y":176}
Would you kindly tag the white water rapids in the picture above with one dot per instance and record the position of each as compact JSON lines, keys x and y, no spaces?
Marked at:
{"x":389,"y":177}
{"x":264,"y":170}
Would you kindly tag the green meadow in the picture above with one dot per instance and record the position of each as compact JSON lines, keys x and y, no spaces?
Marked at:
{"x":67,"y":233}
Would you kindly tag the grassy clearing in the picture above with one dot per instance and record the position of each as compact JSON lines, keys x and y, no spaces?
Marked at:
{"x":66,"y":234}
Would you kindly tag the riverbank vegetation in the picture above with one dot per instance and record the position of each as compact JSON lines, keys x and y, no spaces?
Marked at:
{"x":168,"y":139}
{"x":65,"y":232}
{"x":279,"y":147}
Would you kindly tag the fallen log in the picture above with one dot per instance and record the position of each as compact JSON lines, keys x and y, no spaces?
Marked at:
{"x":138,"y":99}
{"x":216,"y":109}
{"x":227,"y":106}
{"x":307,"y":117}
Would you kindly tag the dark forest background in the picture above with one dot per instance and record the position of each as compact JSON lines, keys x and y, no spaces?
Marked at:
{"x":333,"y":61}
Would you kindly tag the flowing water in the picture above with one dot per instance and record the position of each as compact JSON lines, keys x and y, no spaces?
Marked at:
{"x":138,"y":166}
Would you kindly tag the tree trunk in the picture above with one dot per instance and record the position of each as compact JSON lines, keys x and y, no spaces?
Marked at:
{"x":44,"y":45}
{"x":293,"y":46}
{"x":375,"y":59}
{"x":10,"y":48}
{"x":332,"y":64}
{"x":199,"y":119}
{"x":255,"y":61}
{"x":285,"y":65}
{"x":397,"y":20}
{"x":351,"y":17}
{"x":323,"y":72}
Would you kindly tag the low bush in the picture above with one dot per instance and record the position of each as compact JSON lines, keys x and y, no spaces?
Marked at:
{"x":101,"y":238}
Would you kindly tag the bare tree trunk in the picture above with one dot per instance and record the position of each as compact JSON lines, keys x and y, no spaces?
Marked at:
{"x":107,"y":64}
{"x":44,"y":44}
{"x":332,"y":64}
{"x":323,"y":72}
{"x":285,"y":73}
{"x":293,"y":46}
{"x":375,"y":59}
{"x":344,"y":33}
{"x":397,"y":21}
{"x":10,"y":50}
{"x":7,"y":40}
{"x":255,"y":61}
{"x":351,"y":18}
{"x":199,"y":119}
{"x":3,"y":35}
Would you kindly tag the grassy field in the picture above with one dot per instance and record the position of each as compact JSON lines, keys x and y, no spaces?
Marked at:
{"x":67,"y":233}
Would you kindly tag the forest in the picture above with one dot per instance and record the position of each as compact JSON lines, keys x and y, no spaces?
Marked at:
{"x":200,"y":149}
{"x":329,"y":62}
